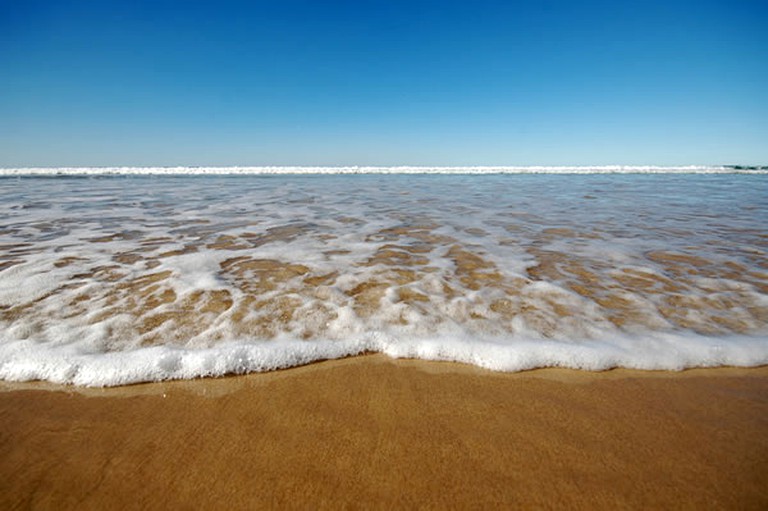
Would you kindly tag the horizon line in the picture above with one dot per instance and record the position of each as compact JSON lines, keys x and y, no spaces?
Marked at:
{"x":381,"y":169}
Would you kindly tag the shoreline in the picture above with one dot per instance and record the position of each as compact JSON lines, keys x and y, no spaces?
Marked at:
{"x":232,"y":382}
{"x":375,"y":431}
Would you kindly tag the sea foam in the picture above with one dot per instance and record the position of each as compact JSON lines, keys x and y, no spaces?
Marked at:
{"x":402,"y":169}
{"x":118,"y":280}
{"x":67,"y":364}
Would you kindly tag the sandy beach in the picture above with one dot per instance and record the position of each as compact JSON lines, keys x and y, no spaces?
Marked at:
{"x":383,"y":255}
{"x":376,"y":432}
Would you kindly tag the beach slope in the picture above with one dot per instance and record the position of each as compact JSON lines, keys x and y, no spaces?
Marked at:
{"x":372,"y":431}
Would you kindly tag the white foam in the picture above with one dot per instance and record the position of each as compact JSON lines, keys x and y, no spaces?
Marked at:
{"x":66,"y":364}
{"x":403,"y":169}
{"x":26,"y":282}
{"x":614,"y":221}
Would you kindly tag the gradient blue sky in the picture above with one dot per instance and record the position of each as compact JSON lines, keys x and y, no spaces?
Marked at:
{"x":383,"y":82}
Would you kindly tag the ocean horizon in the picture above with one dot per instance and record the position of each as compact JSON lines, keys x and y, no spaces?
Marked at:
{"x":381,"y":169}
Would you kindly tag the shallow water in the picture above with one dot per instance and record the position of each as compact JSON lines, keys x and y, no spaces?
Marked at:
{"x":109,"y":280}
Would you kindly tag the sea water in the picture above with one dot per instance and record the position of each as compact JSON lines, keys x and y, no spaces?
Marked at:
{"x":108,"y":280}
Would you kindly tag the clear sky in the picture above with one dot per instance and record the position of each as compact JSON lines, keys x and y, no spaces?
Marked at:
{"x":388,"y":82}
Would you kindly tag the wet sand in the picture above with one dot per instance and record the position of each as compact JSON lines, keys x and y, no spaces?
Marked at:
{"x":375,"y":432}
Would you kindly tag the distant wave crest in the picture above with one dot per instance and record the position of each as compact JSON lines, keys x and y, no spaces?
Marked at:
{"x":277,"y":170}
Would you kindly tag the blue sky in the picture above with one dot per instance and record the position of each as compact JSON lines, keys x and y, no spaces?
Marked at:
{"x":383,"y":83}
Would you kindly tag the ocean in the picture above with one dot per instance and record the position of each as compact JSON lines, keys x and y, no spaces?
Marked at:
{"x":125,"y":275}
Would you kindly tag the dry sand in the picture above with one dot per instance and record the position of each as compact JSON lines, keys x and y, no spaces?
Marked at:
{"x":375,"y":432}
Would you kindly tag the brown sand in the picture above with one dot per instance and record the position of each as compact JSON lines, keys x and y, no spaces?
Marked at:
{"x":375,"y":432}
